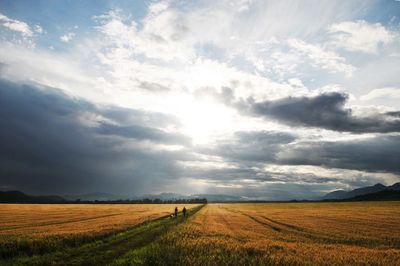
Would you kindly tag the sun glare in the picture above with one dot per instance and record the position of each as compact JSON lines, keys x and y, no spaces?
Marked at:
{"x":203,"y":119}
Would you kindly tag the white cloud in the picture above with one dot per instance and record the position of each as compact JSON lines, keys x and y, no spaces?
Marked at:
{"x":161,"y":37}
{"x":295,"y":82}
{"x":22,"y":64}
{"x":163,"y":52}
{"x":388,"y":93}
{"x":67,"y":37}
{"x":38,"y":29}
{"x":360,"y":36}
{"x":16,"y":25}
{"x":322,"y":58}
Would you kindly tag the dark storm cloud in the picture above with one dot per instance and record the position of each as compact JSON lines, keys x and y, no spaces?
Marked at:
{"x":252,"y":146}
{"x":260,"y":164}
{"x":323,"y":111}
{"x":243,"y":171}
{"x":395,"y":114}
{"x":377,"y":154}
{"x":51,"y":143}
{"x":249,"y":152}
{"x":265,"y":137}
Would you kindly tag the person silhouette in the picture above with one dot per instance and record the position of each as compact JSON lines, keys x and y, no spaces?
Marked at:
{"x":184,"y":211}
{"x":176,"y":212}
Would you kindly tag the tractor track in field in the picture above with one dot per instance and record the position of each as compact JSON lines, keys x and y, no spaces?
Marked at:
{"x":60,"y":222}
{"x":280,"y":227}
{"x":105,"y":251}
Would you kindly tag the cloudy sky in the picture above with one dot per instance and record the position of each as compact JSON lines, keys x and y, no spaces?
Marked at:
{"x":262,"y":99}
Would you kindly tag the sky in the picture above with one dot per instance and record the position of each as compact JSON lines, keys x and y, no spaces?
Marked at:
{"x":265,"y":99}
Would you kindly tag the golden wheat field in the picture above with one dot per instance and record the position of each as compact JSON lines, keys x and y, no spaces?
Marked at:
{"x":36,"y":220}
{"x":346,"y":233}
{"x":365,"y":233}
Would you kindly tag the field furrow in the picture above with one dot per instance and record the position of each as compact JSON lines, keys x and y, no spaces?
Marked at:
{"x":278,"y":234}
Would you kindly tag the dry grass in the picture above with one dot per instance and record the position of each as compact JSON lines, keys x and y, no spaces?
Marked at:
{"x":42,"y":220}
{"x":365,"y":233}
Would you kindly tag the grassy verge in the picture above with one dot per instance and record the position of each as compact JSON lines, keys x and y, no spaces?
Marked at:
{"x":101,"y":251}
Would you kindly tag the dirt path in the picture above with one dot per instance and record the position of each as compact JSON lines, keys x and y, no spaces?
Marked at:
{"x":107,"y":250}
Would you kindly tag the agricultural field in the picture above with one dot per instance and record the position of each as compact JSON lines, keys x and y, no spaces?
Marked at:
{"x":41,"y":220}
{"x":37,"y":229}
{"x":364,"y":233}
{"x":358,"y":233}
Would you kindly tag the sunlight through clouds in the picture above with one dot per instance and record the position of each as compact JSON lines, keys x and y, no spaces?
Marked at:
{"x":224,"y":96}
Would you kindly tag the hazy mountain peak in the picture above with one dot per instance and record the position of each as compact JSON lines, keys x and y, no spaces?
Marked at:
{"x":341,"y":194}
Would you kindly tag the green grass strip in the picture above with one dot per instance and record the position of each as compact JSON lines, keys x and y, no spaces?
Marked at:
{"x":107,"y":250}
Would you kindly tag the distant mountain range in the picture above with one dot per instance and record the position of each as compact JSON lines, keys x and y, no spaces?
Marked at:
{"x":381,"y":195}
{"x":19,"y":197}
{"x":359,"y":192}
{"x":376,"y":192}
{"x":96,"y":196}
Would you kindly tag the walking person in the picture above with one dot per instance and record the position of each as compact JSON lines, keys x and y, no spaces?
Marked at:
{"x":176,"y":212}
{"x":184,"y":211}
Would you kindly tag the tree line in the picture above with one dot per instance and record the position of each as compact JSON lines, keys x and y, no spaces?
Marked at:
{"x":144,"y":201}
